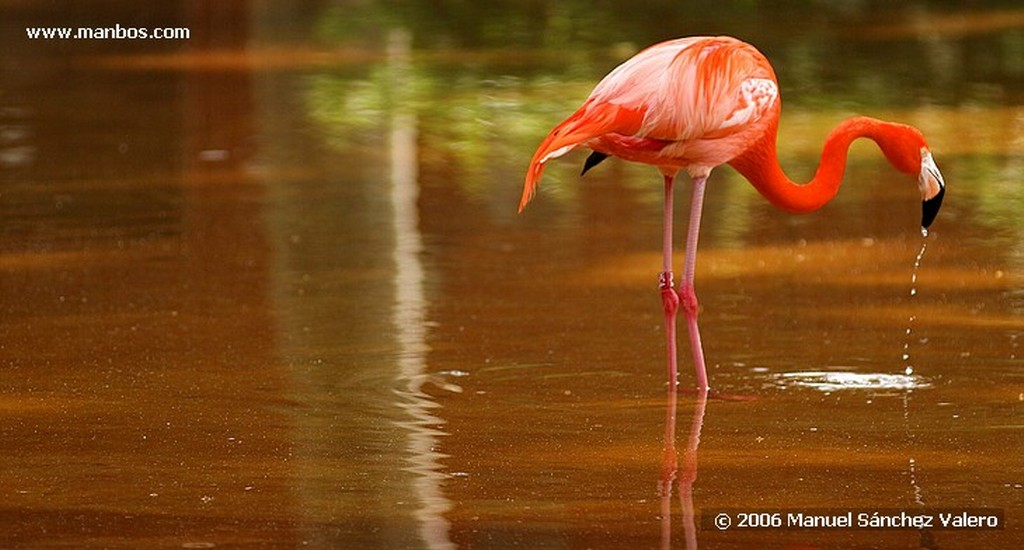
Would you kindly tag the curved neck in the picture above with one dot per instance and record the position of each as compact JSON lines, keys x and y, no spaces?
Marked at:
{"x":760,"y":164}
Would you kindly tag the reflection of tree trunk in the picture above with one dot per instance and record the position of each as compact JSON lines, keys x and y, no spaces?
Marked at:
{"x":164,"y":353}
{"x":226,"y":253}
{"x":409,"y":312}
{"x":229,"y":346}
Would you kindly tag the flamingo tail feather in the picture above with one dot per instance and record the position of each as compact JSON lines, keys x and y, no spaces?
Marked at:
{"x":590,"y":121}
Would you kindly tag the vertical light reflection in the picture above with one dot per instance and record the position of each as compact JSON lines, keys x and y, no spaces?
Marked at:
{"x":688,"y":474}
{"x":409,"y":310}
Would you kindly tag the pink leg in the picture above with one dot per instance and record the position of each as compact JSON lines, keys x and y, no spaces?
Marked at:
{"x":688,"y":295}
{"x":669,"y":297}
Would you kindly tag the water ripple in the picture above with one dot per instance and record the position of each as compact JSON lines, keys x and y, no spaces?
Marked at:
{"x":835,"y":381}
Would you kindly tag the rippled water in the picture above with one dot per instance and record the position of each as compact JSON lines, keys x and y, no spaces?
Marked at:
{"x":268,"y":287}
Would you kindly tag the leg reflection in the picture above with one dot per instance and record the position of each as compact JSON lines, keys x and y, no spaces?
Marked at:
{"x":669,"y":466}
{"x":685,"y":477}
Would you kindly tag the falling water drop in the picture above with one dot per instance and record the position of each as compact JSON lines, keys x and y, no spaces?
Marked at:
{"x":909,"y":371}
{"x":908,"y":368}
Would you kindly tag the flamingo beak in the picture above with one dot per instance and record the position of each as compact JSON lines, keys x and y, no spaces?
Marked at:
{"x":933,"y":188}
{"x":593,"y":160}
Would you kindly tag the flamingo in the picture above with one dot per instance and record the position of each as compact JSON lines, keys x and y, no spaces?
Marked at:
{"x":696,"y":103}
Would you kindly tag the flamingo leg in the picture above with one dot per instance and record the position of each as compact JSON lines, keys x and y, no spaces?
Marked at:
{"x":688,"y":296}
{"x":669,"y":297}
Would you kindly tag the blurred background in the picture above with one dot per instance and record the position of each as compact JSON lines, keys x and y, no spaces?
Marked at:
{"x":267,"y":285}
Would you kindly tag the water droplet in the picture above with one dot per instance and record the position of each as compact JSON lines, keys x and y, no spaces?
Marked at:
{"x":913,"y":292}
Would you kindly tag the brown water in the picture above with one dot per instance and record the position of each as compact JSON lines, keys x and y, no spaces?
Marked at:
{"x":267,"y":286}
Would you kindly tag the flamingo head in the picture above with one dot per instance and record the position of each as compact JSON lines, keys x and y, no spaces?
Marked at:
{"x":906,"y":149}
{"x":932,"y":187}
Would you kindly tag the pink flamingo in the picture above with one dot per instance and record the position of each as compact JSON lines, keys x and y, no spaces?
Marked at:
{"x":699,"y":102}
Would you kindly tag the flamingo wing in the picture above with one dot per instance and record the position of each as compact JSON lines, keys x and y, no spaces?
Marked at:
{"x":695,"y":88}
{"x":594,"y":118}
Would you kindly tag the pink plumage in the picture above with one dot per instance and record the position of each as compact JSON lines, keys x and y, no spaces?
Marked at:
{"x":696,"y":103}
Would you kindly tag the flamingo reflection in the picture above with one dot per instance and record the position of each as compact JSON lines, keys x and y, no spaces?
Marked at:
{"x":671,"y":472}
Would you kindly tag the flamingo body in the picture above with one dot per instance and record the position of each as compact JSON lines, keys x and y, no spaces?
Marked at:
{"x":694,"y":104}
{"x":691,"y":103}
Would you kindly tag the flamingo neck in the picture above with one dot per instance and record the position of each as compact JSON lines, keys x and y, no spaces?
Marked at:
{"x":760,"y":163}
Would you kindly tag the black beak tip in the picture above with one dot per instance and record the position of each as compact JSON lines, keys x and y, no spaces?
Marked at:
{"x":930,"y":208}
{"x":593,"y":160}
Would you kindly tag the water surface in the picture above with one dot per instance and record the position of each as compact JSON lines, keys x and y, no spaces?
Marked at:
{"x":268,"y":287}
